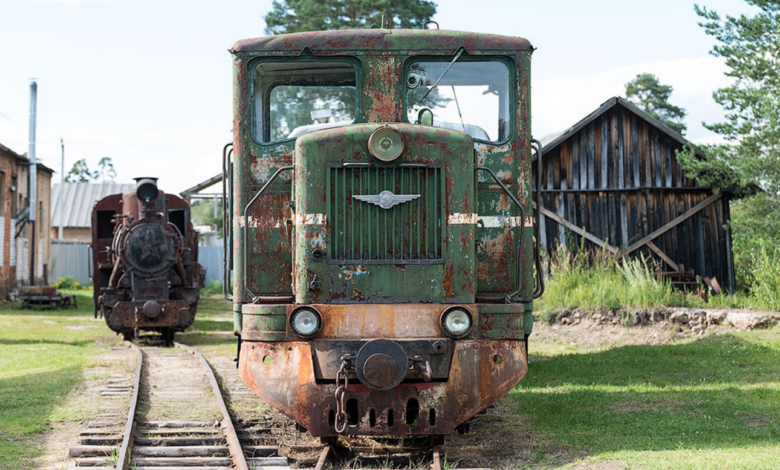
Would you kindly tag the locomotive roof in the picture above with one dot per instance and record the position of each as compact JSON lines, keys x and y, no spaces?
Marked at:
{"x":383,"y":40}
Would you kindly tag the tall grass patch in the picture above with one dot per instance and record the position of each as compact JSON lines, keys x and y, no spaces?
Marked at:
{"x":594,"y":280}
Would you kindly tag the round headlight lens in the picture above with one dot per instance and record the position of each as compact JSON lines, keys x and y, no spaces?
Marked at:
{"x":457,"y":321}
{"x":386,"y":144}
{"x":305,"y":321}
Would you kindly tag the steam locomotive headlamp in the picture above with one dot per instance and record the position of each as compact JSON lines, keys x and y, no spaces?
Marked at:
{"x":456,"y":322}
{"x":386,"y":144}
{"x":305,"y":322}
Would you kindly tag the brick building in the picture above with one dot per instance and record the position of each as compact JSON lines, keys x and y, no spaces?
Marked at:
{"x":15,"y":227}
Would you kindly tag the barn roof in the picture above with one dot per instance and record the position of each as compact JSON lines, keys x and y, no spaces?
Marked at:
{"x":551,"y":141}
{"x":77,"y":201}
{"x":383,"y":40}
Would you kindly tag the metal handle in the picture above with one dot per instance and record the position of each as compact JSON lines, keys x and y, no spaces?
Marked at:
{"x":509,"y":298}
{"x":227,"y":224}
{"x":246,"y":223}
{"x":539,"y":287}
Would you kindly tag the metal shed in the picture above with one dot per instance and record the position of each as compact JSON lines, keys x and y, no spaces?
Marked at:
{"x":614,"y":178}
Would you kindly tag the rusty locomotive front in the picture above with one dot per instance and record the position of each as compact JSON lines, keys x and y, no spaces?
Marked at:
{"x":145,"y":263}
{"x":381,"y":250}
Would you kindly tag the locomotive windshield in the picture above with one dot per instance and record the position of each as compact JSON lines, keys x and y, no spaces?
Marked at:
{"x":294,"y":97}
{"x":472,"y":96}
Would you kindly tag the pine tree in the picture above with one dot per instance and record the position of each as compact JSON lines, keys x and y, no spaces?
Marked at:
{"x":653,"y":98}
{"x":293,"y":16}
{"x":750,"y":158}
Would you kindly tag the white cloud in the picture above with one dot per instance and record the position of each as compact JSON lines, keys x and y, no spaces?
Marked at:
{"x":558,"y":103}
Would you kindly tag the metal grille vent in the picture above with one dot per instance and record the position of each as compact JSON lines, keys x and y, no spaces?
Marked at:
{"x":409,"y":232}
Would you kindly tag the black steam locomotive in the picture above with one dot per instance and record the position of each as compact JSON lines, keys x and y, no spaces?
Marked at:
{"x":146,"y":270}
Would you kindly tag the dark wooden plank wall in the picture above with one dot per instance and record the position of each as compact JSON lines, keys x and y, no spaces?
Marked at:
{"x":618,"y":177}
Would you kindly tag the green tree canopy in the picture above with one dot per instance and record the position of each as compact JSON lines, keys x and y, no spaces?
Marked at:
{"x":652,"y":97}
{"x":80,"y":173}
{"x":750,"y":157}
{"x":293,"y":16}
{"x":751,"y":48}
{"x":105,"y":170}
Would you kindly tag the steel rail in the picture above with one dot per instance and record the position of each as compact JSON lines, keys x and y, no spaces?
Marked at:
{"x":123,"y":460}
{"x":236,"y":451}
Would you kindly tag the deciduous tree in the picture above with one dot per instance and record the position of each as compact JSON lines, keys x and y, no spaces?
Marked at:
{"x":80,"y":173}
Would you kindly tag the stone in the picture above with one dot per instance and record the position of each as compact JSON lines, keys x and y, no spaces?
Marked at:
{"x":750,"y":320}
{"x":715,"y":318}
{"x":680,"y":318}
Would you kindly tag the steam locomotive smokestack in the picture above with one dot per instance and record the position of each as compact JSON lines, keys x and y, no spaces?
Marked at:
{"x":146,"y":189}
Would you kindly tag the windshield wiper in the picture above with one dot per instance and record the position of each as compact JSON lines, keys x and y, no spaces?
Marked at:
{"x":436,"y":83}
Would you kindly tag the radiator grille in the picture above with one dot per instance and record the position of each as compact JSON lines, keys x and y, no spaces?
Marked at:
{"x":361,"y":232}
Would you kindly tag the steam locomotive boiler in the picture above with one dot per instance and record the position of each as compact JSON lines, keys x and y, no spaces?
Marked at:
{"x":145,"y":263}
{"x":381,"y":251}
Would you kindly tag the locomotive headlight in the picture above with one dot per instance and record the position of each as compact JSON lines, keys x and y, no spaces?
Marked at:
{"x":456,"y":321}
{"x":305,"y":321}
{"x":385,"y":144}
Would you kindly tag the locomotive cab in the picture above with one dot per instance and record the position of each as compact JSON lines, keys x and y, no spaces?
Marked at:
{"x":383,"y":254}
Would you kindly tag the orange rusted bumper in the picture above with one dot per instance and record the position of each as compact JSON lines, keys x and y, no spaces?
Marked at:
{"x":480,"y":373}
{"x":175,"y":314}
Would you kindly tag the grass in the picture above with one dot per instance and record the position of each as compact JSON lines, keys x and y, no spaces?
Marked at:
{"x":598,"y":281}
{"x":42,"y":357}
{"x":213,"y":327}
{"x":713,"y":403}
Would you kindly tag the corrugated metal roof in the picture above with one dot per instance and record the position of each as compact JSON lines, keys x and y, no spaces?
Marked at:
{"x":77,"y":201}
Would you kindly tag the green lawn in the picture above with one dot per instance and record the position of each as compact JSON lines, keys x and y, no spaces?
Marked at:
{"x":42,"y":356}
{"x":713,"y":403}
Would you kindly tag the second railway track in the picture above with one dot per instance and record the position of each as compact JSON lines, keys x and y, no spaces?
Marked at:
{"x":177,"y":419}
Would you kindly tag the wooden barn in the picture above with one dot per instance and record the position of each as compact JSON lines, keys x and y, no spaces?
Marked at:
{"x":614,"y":179}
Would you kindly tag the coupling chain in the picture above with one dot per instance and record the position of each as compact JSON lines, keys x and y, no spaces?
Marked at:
{"x":342,"y":386}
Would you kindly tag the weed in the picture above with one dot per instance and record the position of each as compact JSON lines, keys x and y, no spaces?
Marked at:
{"x":212,"y":288}
{"x":68,"y":282}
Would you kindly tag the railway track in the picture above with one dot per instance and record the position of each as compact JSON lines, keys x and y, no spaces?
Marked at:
{"x":177,"y":419}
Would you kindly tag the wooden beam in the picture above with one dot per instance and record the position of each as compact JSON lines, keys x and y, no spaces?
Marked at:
{"x":578,"y":230}
{"x":677,"y":221}
{"x":664,"y":256}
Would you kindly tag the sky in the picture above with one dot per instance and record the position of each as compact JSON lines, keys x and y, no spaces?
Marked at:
{"x":149,"y":82}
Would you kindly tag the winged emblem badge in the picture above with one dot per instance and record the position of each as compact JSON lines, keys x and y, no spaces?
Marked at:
{"x":386,"y":199}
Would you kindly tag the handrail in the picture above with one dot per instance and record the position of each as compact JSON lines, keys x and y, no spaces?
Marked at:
{"x":539,"y":287}
{"x":246,"y":224}
{"x":509,"y":298}
{"x":227,"y":225}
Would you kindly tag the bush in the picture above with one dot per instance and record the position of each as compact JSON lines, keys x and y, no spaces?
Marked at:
{"x":764,"y":277}
{"x":212,"y":288}
{"x":68,"y":282}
